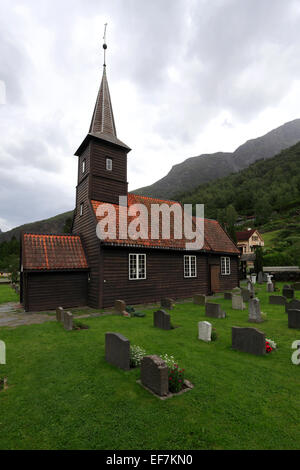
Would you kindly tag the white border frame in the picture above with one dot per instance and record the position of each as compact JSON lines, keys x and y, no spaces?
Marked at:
{"x":137,"y":266}
{"x":190,"y":266}
{"x":227,"y":265}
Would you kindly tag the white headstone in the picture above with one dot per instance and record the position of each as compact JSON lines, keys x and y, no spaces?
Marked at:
{"x":270,"y":286}
{"x":204,"y":330}
{"x":254,"y":311}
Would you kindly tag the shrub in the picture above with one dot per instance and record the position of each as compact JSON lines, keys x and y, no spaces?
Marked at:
{"x":176,"y":375}
{"x":214,"y":334}
{"x":136,"y":355}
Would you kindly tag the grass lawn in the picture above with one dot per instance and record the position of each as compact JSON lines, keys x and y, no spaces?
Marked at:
{"x":63,"y":395}
{"x":7,"y":294}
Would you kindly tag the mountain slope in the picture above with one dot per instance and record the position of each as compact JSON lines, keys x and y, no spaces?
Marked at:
{"x":204,"y":168}
{"x":52,"y":225}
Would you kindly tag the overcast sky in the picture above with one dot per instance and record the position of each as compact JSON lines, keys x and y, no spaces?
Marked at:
{"x":186,"y":77}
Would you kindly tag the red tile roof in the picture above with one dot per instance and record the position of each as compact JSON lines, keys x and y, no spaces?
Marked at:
{"x":244,"y":235}
{"x":215,"y":239}
{"x":50,"y":252}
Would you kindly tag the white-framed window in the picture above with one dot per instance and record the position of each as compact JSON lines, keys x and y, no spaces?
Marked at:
{"x":190,"y":266}
{"x":137,"y":266}
{"x":83,"y":167}
{"x":81,"y":209}
{"x":225,"y":265}
{"x":109,"y":164}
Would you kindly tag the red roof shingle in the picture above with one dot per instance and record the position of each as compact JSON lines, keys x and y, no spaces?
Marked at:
{"x":244,"y":235}
{"x":50,"y":252}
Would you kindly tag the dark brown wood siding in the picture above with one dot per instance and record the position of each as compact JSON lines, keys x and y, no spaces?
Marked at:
{"x":107,"y":190}
{"x":46,"y":291}
{"x":227,"y":282}
{"x":85,"y":156}
{"x":100,"y":152}
{"x":85,"y":226}
{"x":165,"y":277}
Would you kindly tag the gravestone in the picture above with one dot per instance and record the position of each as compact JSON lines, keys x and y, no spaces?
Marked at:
{"x":248,"y":340}
{"x":296,"y":286}
{"x":214,"y":311}
{"x":292,"y":305}
{"x":162,"y":319}
{"x":60,"y":314}
{"x":199,"y":299}
{"x":117,"y":350}
{"x":277,"y":300}
{"x":270,"y":287}
{"x":294,"y":319}
{"x":246,"y":294}
{"x":288,"y":292}
{"x":251,"y":288}
{"x":237,"y":302}
{"x":227,"y":295}
{"x":236,"y":290}
{"x":269,"y":277}
{"x":68,"y":321}
{"x":120,"y":307}
{"x":254,"y":311}
{"x":167,"y":303}
{"x":260,"y":277}
{"x":155,"y":375}
{"x":204,"y":330}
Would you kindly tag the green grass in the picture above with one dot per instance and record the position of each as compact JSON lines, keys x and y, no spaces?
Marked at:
{"x":7,"y":294}
{"x":270,"y":238}
{"x":63,"y":395}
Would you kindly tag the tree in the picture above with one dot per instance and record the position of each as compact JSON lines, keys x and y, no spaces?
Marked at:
{"x":258,"y":263}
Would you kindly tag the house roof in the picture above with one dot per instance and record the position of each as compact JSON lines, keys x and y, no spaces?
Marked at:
{"x":215,"y":238}
{"x":52,"y":252}
{"x":244,"y":235}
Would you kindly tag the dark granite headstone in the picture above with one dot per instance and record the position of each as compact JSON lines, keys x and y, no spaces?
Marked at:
{"x":60,"y":314}
{"x":154,"y":375}
{"x":117,"y":350}
{"x":294,"y":319}
{"x":288,"y":292}
{"x":68,"y":321}
{"x":227,"y":295}
{"x":277,"y":300}
{"x":292,"y":305}
{"x":246,"y":294}
{"x":162,"y":319}
{"x":199,"y":299}
{"x":214,"y":311}
{"x":167,"y":303}
{"x":248,"y":340}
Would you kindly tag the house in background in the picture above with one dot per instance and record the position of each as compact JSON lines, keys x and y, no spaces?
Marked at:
{"x":247,"y":241}
{"x":80,"y":269}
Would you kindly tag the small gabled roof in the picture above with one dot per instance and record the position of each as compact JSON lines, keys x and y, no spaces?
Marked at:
{"x":244,"y":235}
{"x":52,"y":252}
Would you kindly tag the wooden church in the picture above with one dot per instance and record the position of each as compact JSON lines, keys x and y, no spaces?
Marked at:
{"x":79,"y":269}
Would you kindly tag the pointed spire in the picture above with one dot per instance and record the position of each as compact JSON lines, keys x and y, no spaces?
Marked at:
{"x":103,"y":117}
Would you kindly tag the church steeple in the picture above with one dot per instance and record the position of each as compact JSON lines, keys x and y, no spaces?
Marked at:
{"x":103,"y":117}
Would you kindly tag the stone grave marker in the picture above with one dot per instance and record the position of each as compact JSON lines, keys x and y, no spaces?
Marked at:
{"x":199,"y":299}
{"x":214,"y":311}
{"x":167,"y":303}
{"x":246,"y":294}
{"x":260,"y":277}
{"x":294,"y":304}
{"x":237,"y":302}
{"x":204,"y":330}
{"x":162,"y":319}
{"x":277,"y":300}
{"x":254,"y":311}
{"x":288,"y":292}
{"x":117,"y":350}
{"x":227,"y":295}
{"x":270,"y":287}
{"x":248,"y":340}
{"x":154,"y":375}
{"x":60,"y":314}
{"x":68,"y":321}
{"x":251,"y":288}
{"x":120,"y":307}
{"x":294,"y":319}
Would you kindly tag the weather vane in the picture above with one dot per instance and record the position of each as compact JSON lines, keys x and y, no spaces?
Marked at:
{"x":104,"y":44}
